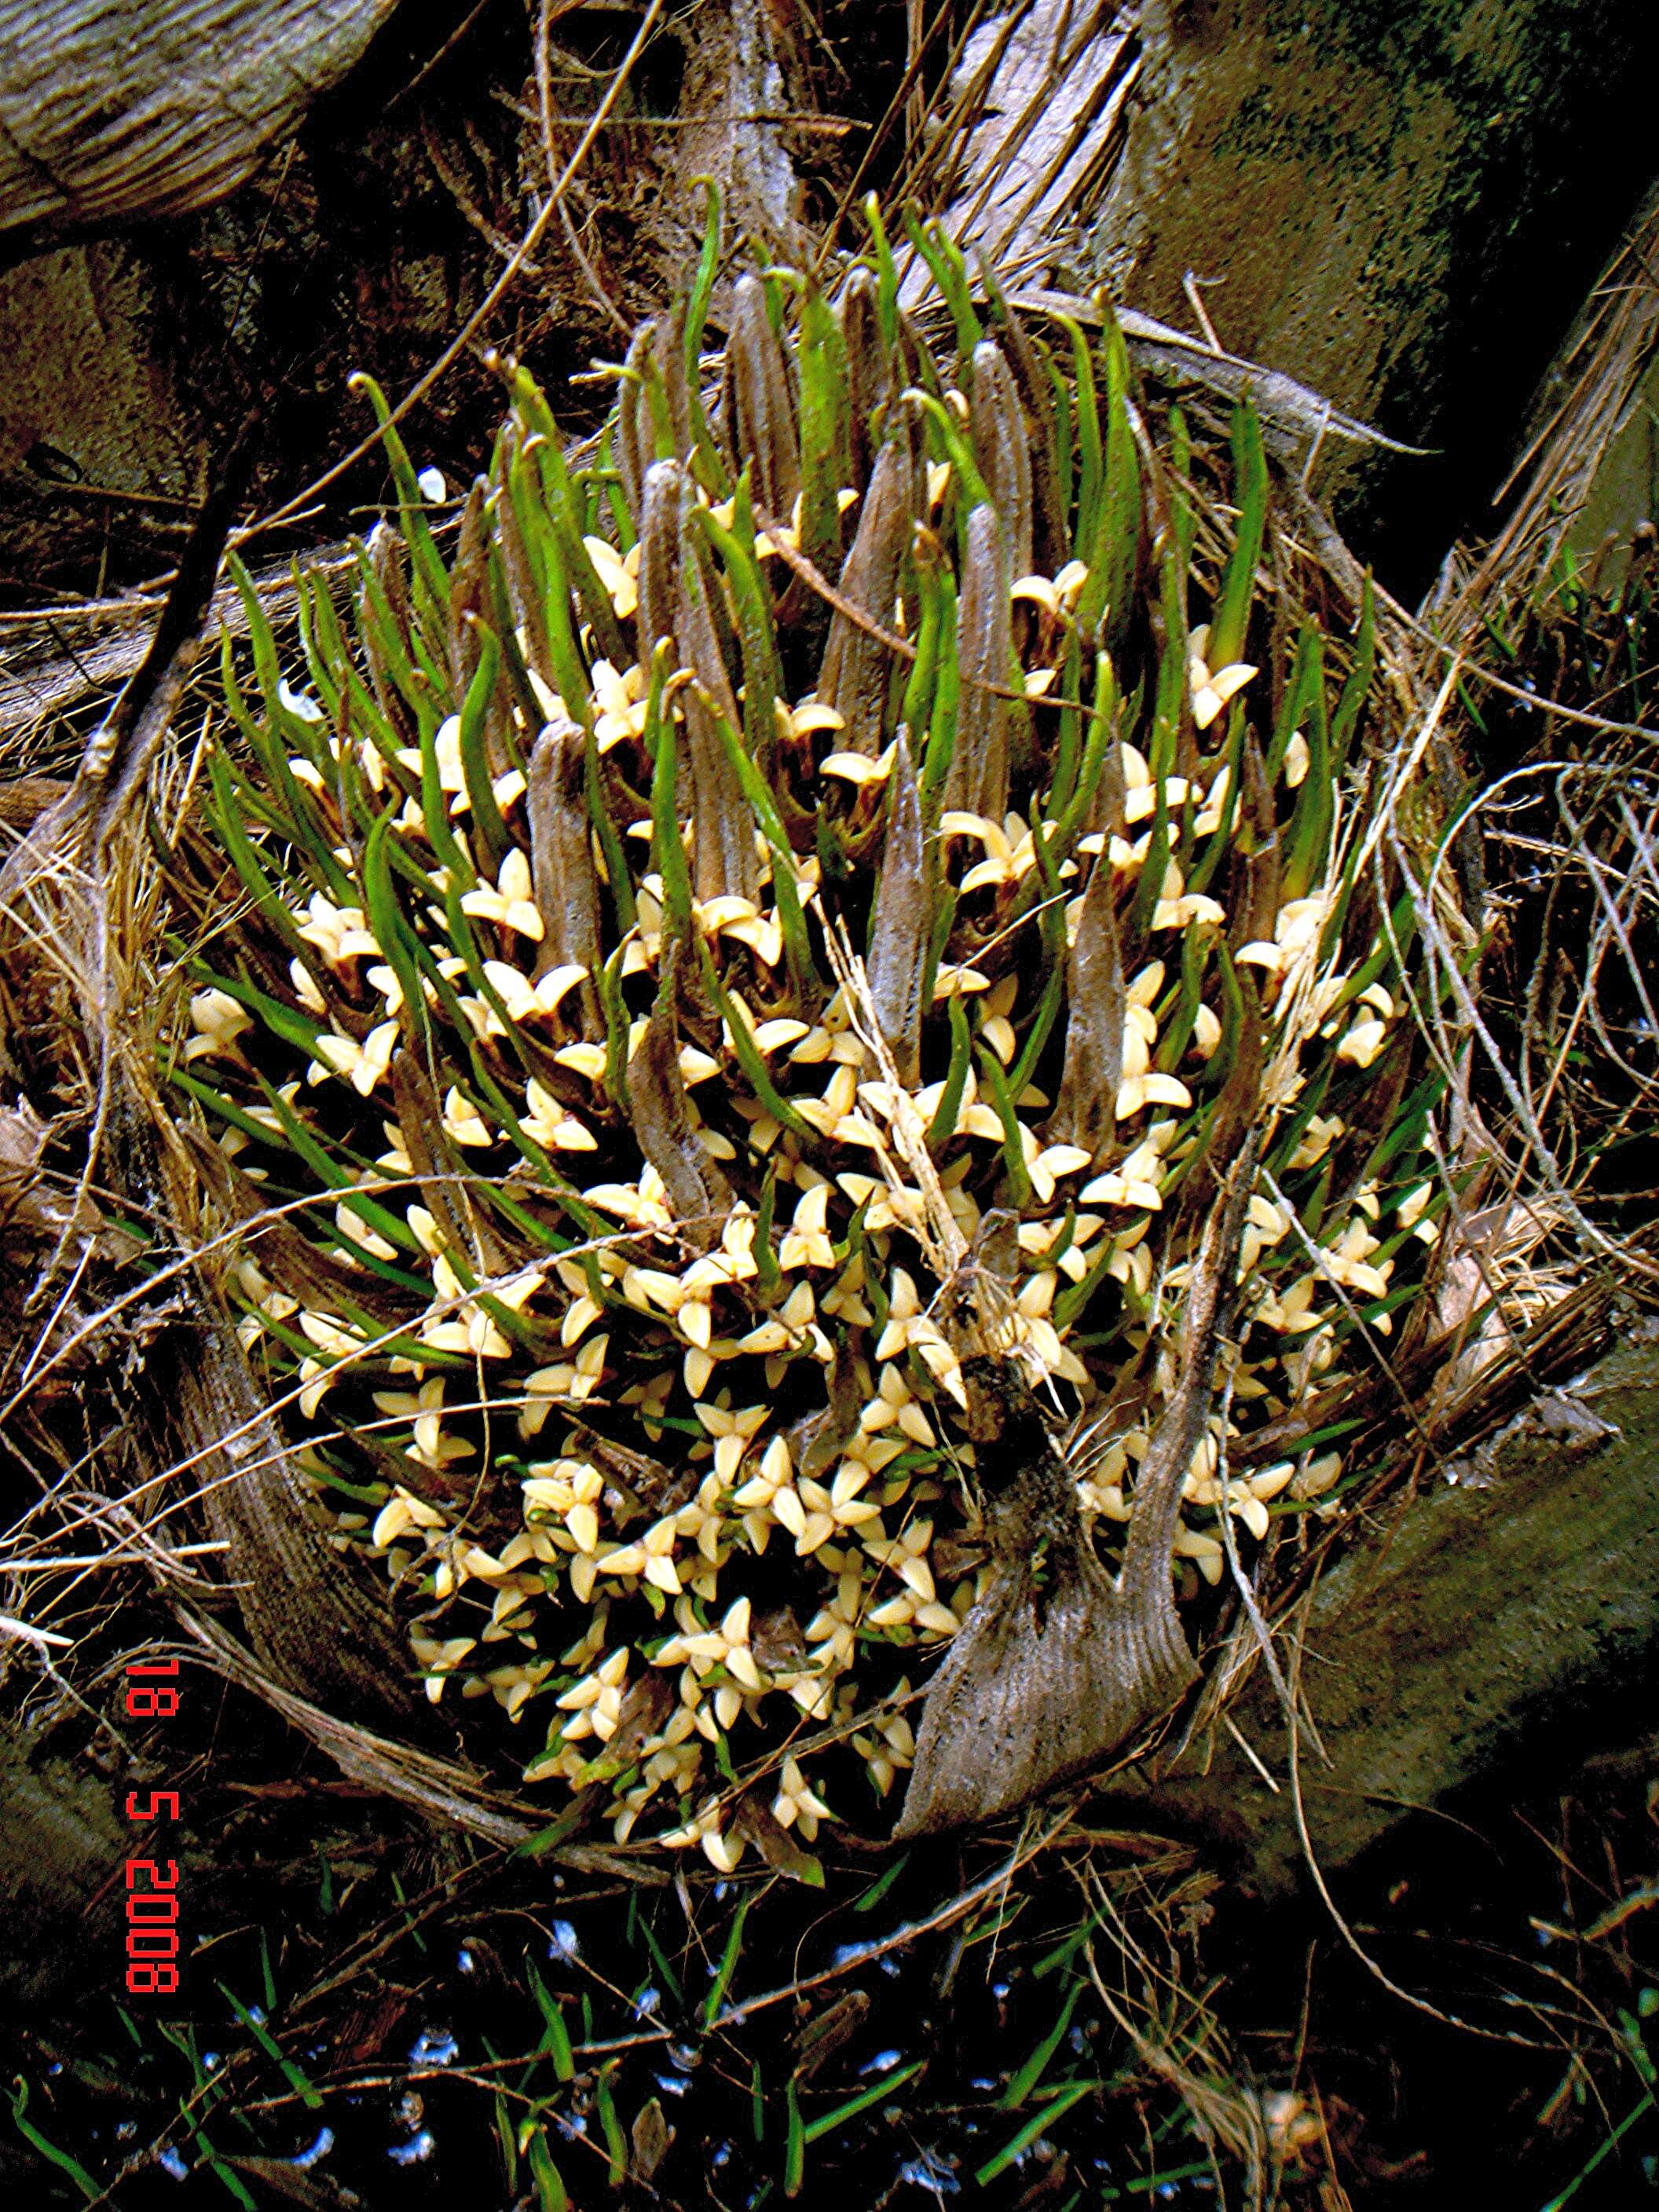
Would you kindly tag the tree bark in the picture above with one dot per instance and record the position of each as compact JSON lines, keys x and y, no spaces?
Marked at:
{"x":1394,"y":202}
{"x":1480,"y":1623}
{"x":115,"y":109}
{"x":380,"y":208}
{"x":1398,"y":202}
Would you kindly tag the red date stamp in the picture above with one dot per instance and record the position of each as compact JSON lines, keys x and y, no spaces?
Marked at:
{"x":152,"y":1884}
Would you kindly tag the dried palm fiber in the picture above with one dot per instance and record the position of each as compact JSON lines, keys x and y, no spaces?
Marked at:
{"x":1556,"y":623}
{"x":670,"y":1294}
{"x":1041,"y":103}
{"x":1590,"y":398}
{"x":73,"y":883}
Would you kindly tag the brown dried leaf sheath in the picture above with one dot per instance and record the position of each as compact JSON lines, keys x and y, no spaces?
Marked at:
{"x":901,"y":922}
{"x":854,"y":675}
{"x":697,"y":1190}
{"x":561,"y":861}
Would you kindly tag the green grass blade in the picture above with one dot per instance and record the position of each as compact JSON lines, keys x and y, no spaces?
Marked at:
{"x":729,"y":1957}
{"x":748,"y":1052}
{"x":1022,"y":2084}
{"x":295,"y":2075}
{"x":828,"y":2122}
{"x":947,"y":702}
{"x":1023,"y":2139}
{"x":1113,"y":547}
{"x":1232,"y":608}
{"x":550,"y":2185}
{"x":668,"y":839}
{"x":944,"y":263}
{"x":431,"y":578}
{"x":763,"y":677}
{"x":556,"y":2037}
{"x":826,"y":462}
{"x":616,"y":2141}
{"x":492,"y":832}
{"x":48,"y":2149}
{"x":794,"y":2149}
{"x":887,"y":306}
{"x":797,"y":950}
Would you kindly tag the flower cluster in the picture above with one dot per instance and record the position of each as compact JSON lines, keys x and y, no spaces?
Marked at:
{"x":621,"y":1313}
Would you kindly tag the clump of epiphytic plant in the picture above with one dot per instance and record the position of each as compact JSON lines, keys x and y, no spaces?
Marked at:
{"x":871,"y":814}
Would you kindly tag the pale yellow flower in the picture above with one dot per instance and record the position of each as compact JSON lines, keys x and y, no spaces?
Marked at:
{"x":425,"y":1407}
{"x":618,"y":573}
{"x":732,"y":1431}
{"x":1211,"y":692}
{"x":545,"y":1121}
{"x":341,"y":934}
{"x":796,"y":1803}
{"x":439,"y":1660}
{"x":511,"y":901}
{"x":403,"y":1512}
{"x":218,"y":1020}
{"x":363,"y":1066}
